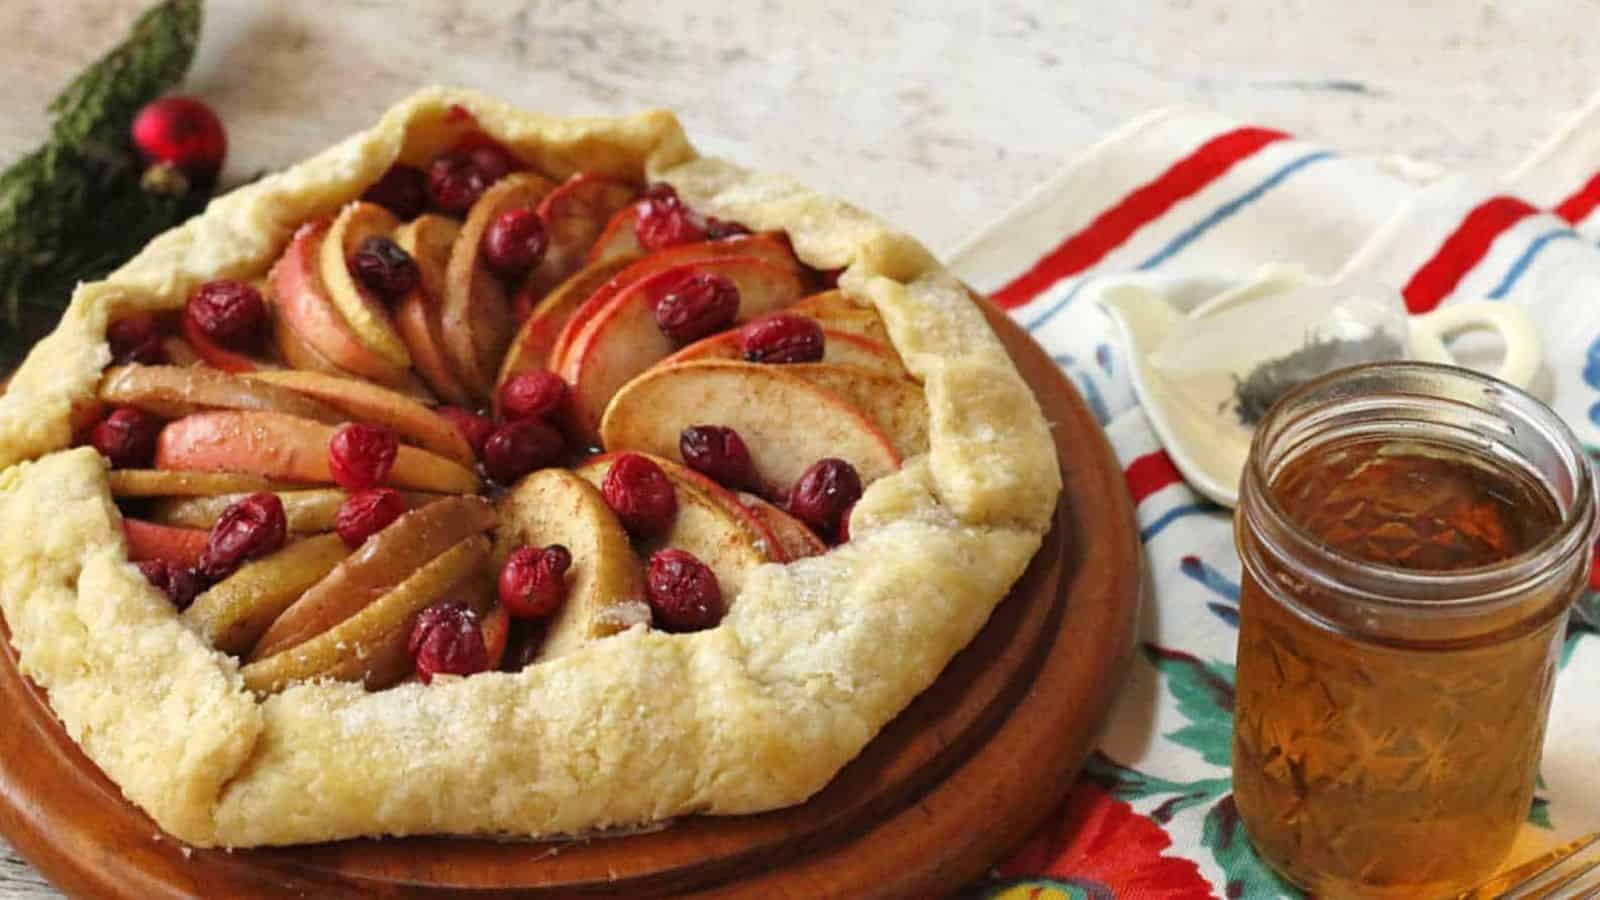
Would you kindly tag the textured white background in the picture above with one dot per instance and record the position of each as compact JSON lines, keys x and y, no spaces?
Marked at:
{"x":937,"y":115}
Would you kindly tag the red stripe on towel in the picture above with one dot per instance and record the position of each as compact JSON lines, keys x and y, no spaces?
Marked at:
{"x":1463,"y":249}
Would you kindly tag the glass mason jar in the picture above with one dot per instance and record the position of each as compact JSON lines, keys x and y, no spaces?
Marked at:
{"x":1389,"y":718}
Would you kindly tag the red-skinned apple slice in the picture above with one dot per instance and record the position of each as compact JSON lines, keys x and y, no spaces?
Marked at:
{"x":617,"y":238}
{"x":793,"y":536}
{"x":363,"y":401}
{"x":898,"y":406}
{"x":301,"y":300}
{"x":530,"y":349}
{"x":366,"y":315}
{"x":624,"y":339}
{"x":766,"y":539}
{"x":172,"y":392}
{"x":767,"y":246}
{"x":837,"y":347}
{"x":838,"y":311}
{"x":147,"y":540}
{"x":429,"y":239}
{"x":283,"y":447}
{"x":477,"y":320}
{"x":574,"y":214}
{"x":605,"y":587}
{"x":788,"y":423}
{"x":214,"y":354}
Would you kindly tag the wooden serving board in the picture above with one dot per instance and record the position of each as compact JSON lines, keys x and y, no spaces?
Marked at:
{"x":960,"y":777}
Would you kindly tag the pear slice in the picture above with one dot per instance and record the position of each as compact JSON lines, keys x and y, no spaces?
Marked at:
{"x":309,"y":511}
{"x":375,"y":568}
{"x":370,"y":645}
{"x":173,"y":392}
{"x":787,"y":422}
{"x":477,"y":315}
{"x":364,"y":313}
{"x":363,"y":401}
{"x":164,"y":483}
{"x":605,"y":590}
{"x":235,"y":612}
{"x":897,"y":406}
{"x":797,"y":541}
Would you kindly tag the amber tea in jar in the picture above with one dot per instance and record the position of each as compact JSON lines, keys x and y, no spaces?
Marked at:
{"x":1412,"y":538}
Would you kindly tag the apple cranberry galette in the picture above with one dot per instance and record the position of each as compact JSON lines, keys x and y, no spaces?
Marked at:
{"x":492,"y":473}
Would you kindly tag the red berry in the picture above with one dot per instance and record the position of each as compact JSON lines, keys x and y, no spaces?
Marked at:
{"x":474,"y":428}
{"x":640,"y":494}
{"x":697,"y":305}
{"x":533,"y":583}
{"x":663,"y":220}
{"x":385,"y":268}
{"x":360,"y":456}
{"x":231,"y":313}
{"x":181,"y":584}
{"x":403,"y":190}
{"x":781,"y":338}
{"x":517,"y":448}
{"x":127,"y":437}
{"x":365,"y":513}
{"x":538,"y":394}
{"x":458,"y":178}
{"x":448,"y":639}
{"x":683,"y":592}
{"x":722,"y":229}
{"x":184,"y":132}
{"x":718,"y":453}
{"x":249,"y":529}
{"x":824,"y":494}
{"x":136,"y":339}
{"x":515,"y":242}
{"x":493,"y":160}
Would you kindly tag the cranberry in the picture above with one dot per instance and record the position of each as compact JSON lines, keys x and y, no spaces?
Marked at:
{"x":533,"y":583}
{"x":697,"y":305}
{"x":722,"y":229}
{"x":448,"y":639}
{"x":474,"y":428}
{"x":184,"y":132}
{"x":517,"y":448}
{"x":249,"y":529}
{"x":823,"y":494}
{"x":231,"y":313}
{"x":515,"y":242}
{"x":718,"y":453}
{"x":385,"y":268}
{"x":538,"y":394}
{"x":663,"y":220}
{"x":683,"y":591}
{"x":181,"y":584}
{"x":640,"y":494}
{"x":136,"y":339}
{"x":360,"y":456}
{"x":493,"y":160}
{"x":458,"y":178}
{"x":127,"y":437}
{"x":781,"y":338}
{"x":403,"y":190}
{"x":365,"y":513}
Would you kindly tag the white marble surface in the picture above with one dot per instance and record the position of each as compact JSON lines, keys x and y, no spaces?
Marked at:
{"x":937,"y":115}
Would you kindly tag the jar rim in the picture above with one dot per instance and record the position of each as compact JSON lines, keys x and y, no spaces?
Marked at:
{"x":1469,"y":589}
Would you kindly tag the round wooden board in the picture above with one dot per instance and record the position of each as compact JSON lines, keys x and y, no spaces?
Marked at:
{"x":960,"y":777}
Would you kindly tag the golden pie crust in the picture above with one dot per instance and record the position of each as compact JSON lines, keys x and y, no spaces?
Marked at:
{"x":813,"y":658}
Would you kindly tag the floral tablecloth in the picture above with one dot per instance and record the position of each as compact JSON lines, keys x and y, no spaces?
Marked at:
{"x":1182,"y":193}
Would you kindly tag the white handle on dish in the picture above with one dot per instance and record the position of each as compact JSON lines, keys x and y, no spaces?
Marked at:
{"x":1429,"y":331}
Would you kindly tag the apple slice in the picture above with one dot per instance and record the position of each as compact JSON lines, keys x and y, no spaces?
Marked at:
{"x":703,"y":526}
{"x":623,"y":339}
{"x":274,"y":445}
{"x":838,"y":311}
{"x":172,"y":392}
{"x":429,"y":239}
{"x":162,"y":483}
{"x":367,"y":402}
{"x":366,"y":315}
{"x":756,"y":527}
{"x":605,"y":591}
{"x":787,"y":422}
{"x":617,"y":238}
{"x":837,"y":347}
{"x":309,"y":511}
{"x":180,"y":353}
{"x":574,"y":214}
{"x":477,"y":313}
{"x":370,"y":644}
{"x":234,"y":613}
{"x":898,"y":406}
{"x":147,"y":540}
{"x":299,"y":297}
{"x":535,"y":340}
{"x":793,"y":536}
{"x":767,"y":246}
{"x":496,"y":634}
{"x":375,"y":568}
{"x":212,"y":353}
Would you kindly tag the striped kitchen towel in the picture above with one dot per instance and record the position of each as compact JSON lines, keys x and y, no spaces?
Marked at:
{"x":1190,"y":194}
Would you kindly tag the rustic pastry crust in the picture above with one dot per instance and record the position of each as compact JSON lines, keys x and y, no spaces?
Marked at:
{"x":757,"y":713}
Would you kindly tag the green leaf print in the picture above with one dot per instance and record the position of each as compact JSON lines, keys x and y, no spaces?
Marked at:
{"x":1130,"y":785}
{"x":1247,"y":875}
{"x":1204,"y":692}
